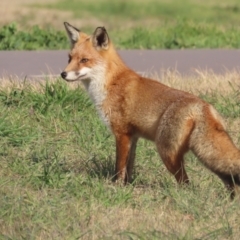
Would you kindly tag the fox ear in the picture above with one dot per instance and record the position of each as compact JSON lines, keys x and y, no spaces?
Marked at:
{"x":100,"y":39}
{"x":73,"y":33}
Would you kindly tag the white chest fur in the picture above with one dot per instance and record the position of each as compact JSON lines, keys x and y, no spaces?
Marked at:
{"x":95,"y":86}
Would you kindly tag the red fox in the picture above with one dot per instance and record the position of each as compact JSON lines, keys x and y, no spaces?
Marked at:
{"x":133,"y":106}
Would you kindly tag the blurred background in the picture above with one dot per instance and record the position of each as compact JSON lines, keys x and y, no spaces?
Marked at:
{"x":147,"y":24}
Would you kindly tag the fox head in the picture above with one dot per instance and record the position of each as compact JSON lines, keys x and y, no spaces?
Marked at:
{"x":86,"y":58}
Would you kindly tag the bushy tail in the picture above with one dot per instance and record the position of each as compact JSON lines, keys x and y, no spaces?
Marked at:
{"x":214,"y":147}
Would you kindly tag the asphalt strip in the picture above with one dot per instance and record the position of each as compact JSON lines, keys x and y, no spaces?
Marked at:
{"x":39,"y":64}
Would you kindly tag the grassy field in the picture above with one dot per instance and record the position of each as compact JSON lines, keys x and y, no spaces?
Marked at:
{"x":57,"y":158}
{"x":135,"y":24}
{"x":57,"y":163}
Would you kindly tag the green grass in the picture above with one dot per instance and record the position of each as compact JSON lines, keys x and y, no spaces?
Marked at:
{"x":183,"y":35}
{"x":57,"y":163}
{"x":11,"y":38}
{"x":136,"y":24}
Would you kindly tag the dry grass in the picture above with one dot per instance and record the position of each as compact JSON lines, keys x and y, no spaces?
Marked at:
{"x":201,"y":82}
{"x":20,"y":11}
{"x":35,"y":12}
{"x":23,"y":12}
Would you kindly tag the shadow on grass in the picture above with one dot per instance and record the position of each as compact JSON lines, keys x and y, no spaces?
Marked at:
{"x":100,"y":168}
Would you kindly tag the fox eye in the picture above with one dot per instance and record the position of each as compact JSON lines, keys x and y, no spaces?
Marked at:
{"x":69,"y":59}
{"x":83,"y":60}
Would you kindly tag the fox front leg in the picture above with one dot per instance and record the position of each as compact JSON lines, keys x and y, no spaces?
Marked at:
{"x":130,"y":161}
{"x":123,"y":153}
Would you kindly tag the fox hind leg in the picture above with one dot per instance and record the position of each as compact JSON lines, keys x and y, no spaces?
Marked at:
{"x":172,"y":143}
{"x":175,"y":165}
{"x":230,"y":182}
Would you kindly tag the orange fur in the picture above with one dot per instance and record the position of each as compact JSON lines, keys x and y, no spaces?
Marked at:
{"x":134,"y":106}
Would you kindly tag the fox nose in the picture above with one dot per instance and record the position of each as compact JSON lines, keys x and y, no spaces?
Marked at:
{"x":64,"y":75}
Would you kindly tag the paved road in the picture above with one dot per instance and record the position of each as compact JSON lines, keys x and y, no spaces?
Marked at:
{"x":37,"y":63}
